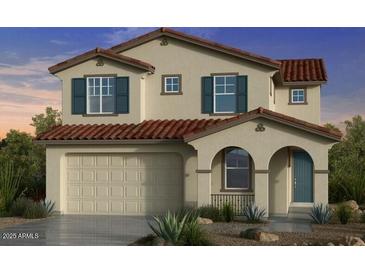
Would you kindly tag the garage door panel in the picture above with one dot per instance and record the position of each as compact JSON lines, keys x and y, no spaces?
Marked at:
{"x":102,"y":175}
{"x":125,"y":184}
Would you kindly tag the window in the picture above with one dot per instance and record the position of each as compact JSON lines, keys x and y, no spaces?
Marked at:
{"x":298,"y":96}
{"x":100,"y":95}
{"x":237,"y":169}
{"x":225,"y":94}
{"x":171,"y":84}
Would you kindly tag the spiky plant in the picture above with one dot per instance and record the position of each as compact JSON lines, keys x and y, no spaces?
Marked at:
{"x":228,"y":212}
{"x":344,"y":213}
{"x":253,"y":213}
{"x":35,"y":211}
{"x":9,"y":185}
{"x":49,"y":206}
{"x":321,"y":214}
{"x":210,"y":212}
{"x":195,"y":235}
{"x":169,"y":227}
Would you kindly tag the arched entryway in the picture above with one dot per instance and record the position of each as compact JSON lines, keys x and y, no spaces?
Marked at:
{"x":232,"y":177}
{"x":290,"y":179}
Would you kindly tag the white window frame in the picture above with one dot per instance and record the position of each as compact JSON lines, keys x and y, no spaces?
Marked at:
{"x":243,"y":168}
{"x":222,"y":94}
{"x":292,"y":95}
{"x":100,"y":93}
{"x":172,"y":79}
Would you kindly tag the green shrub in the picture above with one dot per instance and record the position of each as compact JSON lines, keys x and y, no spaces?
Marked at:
{"x":194,"y":235}
{"x":362,"y":217}
{"x":210,"y":212}
{"x":19,"y":206}
{"x":35,"y":211}
{"x":190,"y":214}
{"x":344,"y":213}
{"x":228,"y":212}
{"x":9,"y":184}
{"x":49,"y":206}
{"x":169,"y":227}
{"x":253,"y":213}
{"x":321,"y":214}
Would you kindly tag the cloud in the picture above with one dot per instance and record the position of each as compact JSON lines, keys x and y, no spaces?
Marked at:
{"x":59,"y":42}
{"x":123,"y":34}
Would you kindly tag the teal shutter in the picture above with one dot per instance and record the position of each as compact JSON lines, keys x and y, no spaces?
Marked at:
{"x":207,"y":94}
{"x":242,"y":93}
{"x":78,"y":95}
{"x":122,"y":95}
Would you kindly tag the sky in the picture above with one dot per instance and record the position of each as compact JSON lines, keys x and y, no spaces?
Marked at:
{"x":26,"y":87}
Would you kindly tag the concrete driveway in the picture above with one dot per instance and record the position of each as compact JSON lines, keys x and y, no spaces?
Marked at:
{"x":77,"y":230}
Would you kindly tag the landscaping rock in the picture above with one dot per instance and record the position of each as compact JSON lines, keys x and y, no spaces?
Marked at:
{"x":331,"y":244}
{"x":351,"y":204}
{"x":204,"y":221}
{"x":259,"y":235}
{"x":354,"y":241}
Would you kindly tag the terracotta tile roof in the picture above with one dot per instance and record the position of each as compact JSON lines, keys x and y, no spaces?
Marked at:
{"x":149,"y":129}
{"x":303,"y":70}
{"x":174,"y":129}
{"x":109,"y":54}
{"x":195,"y":40}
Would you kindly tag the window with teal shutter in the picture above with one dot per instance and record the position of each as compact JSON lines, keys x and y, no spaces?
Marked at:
{"x":78,"y":91}
{"x":207,"y":94}
{"x":122,"y":95}
{"x":242,"y":93}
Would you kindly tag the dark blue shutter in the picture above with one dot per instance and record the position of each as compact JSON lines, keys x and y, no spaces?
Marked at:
{"x":122,"y":95}
{"x":207,"y":94}
{"x":78,"y":96}
{"x":242,"y":93}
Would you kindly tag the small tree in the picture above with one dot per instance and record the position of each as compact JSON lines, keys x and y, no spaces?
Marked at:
{"x":45,"y":121}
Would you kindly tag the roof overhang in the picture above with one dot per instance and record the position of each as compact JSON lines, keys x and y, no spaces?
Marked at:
{"x":98,"y":52}
{"x":167,"y":32}
{"x":270,"y":115}
{"x":109,"y":142}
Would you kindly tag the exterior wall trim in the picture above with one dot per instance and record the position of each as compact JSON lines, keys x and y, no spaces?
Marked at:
{"x":203,"y":171}
{"x":108,"y":142}
{"x":321,"y":171}
{"x":261,"y":171}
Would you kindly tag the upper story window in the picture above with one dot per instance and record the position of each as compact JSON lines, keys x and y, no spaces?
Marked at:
{"x":100,"y":95}
{"x":225,"y":93}
{"x":171,"y":84}
{"x":237,"y":169}
{"x":298,"y":96}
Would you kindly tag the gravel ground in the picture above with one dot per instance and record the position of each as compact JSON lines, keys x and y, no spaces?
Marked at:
{"x":10,"y":221}
{"x":228,"y":234}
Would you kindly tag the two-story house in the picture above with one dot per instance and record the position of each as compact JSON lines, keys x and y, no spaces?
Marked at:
{"x":168,"y":120}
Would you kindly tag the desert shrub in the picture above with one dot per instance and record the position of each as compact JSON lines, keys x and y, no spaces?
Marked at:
{"x":19,"y":206}
{"x":253,"y":213}
{"x":9,"y":184}
{"x":190,"y":214}
{"x":194,"y":235}
{"x":169,"y":227}
{"x":228,"y":212}
{"x":36,"y":210}
{"x":362,"y":217}
{"x":49,"y":206}
{"x":344,"y":213}
{"x":321,"y":214}
{"x":210,"y":212}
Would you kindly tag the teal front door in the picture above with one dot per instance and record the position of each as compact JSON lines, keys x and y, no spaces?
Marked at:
{"x":302,"y":177}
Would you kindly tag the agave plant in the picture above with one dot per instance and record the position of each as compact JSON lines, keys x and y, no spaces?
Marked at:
{"x":49,"y":206}
{"x":321,"y":214}
{"x":9,"y":185}
{"x":169,"y":227}
{"x":253,"y":213}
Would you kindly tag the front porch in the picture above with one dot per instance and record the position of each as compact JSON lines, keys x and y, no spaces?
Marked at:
{"x":283,"y":169}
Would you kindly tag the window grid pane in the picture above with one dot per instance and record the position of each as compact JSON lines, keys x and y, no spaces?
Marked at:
{"x":225,"y":94}
{"x":100,"y":94}
{"x":172,"y":84}
{"x":298,"y":96}
{"x":237,"y":168}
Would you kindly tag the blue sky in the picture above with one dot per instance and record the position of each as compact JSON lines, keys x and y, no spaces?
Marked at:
{"x":26,"y":87}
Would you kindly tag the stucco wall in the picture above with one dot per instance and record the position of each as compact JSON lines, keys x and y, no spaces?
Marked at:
{"x":310,"y":112}
{"x":193,"y":62}
{"x":136,"y":101}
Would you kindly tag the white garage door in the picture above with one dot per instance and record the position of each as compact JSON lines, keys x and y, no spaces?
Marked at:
{"x":125,"y":184}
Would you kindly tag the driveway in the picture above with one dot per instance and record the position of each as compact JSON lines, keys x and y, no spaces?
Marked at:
{"x":77,"y":230}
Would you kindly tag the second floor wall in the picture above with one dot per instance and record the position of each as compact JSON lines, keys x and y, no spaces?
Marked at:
{"x":189,"y":63}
